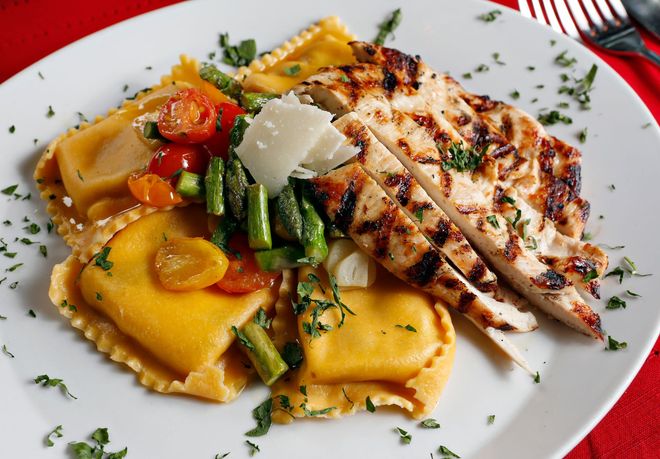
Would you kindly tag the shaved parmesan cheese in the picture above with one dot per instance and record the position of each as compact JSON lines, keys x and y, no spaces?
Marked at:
{"x":291,"y":139}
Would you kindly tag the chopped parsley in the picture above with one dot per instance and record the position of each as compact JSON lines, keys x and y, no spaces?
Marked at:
{"x":581,"y":88}
{"x":565,"y":61}
{"x":55,"y":433}
{"x":537,"y":378}
{"x":419,"y":214}
{"x":612,"y":247}
{"x":293,"y":70}
{"x":467,"y":75}
{"x":261,"y":319}
{"x":47,"y":381}
{"x":530,"y":68}
{"x":370,"y":405}
{"x":553,"y":117}
{"x":315,"y":327}
{"x":614,"y":345}
{"x":99,"y":297}
{"x":611,"y":187}
{"x":404,"y":436}
{"x":292,"y":354}
{"x":482,"y":68}
{"x":515,"y":94}
{"x":343,"y":391}
{"x":6,"y":351}
{"x":508,"y":200}
{"x":32,"y":228}
{"x":492,"y":219}
{"x":616,"y":303}
{"x":83,"y":450}
{"x":632,"y":268}
{"x":447,"y":453}
{"x":13,"y":267}
{"x":12,"y":129}
{"x":633,"y":294}
{"x":387,"y":27}
{"x":462,"y":158}
{"x":591,"y":275}
{"x":9,"y":190}
{"x":244,"y":340}
{"x":237,"y":55}
{"x":344,"y":78}
{"x":430,"y":423}
{"x":496,"y":58}
{"x":71,"y":307}
{"x":32,"y":314}
{"x":491,"y":419}
{"x":50,"y":112}
{"x":253,"y":448}
{"x":43,"y":250}
{"x":564,"y":105}
{"x":491,"y":16}
{"x":514,"y":221}
{"x":408,"y":327}
{"x":101,"y":259}
{"x":262,"y":414}
{"x":221,"y":456}
{"x":582,"y":136}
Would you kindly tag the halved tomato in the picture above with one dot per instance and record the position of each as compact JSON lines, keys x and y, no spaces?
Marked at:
{"x":187,"y":117}
{"x":243,"y":274}
{"x":152,"y":190}
{"x":173,"y":157}
{"x":218,"y":145}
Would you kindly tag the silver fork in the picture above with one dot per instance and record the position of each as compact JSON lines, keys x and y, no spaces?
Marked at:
{"x":606,"y":24}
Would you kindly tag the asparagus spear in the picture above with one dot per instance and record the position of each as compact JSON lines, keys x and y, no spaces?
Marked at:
{"x":259,"y":237}
{"x":281,"y":258}
{"x":262,"y":353}
{"x":313,"y":238}
{"x":151,"y":131}
{"x":253,"y":101}
{"x":288,"y":212}
{"x":190,"y":185}
{"x":236,"y":181}
{"x":236,"y":133}
{"x":229,"y":86}
{"x":214,"y":181}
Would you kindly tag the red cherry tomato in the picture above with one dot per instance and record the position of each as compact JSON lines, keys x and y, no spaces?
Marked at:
{"x":218,"y":145}
{"x":244,"y":275}
{"x":173,"y":157}
{"x":187,"y":117}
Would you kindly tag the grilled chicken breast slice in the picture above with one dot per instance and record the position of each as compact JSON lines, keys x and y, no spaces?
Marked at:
{"x":401,"y":186}
{"x":526,"y":154}
{"x":342,"y":89}
{"x":456,"y":193}
{"x":360,"y":207}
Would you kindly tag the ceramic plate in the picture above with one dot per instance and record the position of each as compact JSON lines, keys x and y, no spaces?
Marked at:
{"x":580,"y":381}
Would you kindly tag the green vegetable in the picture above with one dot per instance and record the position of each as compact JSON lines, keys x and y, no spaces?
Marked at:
{"x":263,"y":355}
{"x":236,"y":134}
{"x":259,"y":237}
{"x":388,"y":27}
{"x":288,"y":212}
{"x":281,"y":258}
{"x":190,"y":185}
{"x":46,"y":381}
{"x":253,"y":102}
{"x":151,"y":131}
{"x":236,"y":186}
{"x":215,"y":183}
{"x":225,"y":229}
{"x":226,"y":84}
{"x":313,"y":237}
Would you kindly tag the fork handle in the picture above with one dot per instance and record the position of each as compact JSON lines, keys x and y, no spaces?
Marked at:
{"x":650,"y":55}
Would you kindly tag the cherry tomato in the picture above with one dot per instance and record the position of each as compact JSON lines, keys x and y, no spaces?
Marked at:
{"x":173,"y":157}
{"x":244,"y":275}
{"x":218,"y":145}
{"x":187,"y":117}
{"x":152,"y":190}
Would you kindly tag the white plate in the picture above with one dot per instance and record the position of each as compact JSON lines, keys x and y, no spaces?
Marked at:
{"x":579,"y":380}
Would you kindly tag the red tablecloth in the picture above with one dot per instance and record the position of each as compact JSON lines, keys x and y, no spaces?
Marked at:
{"x":30,"y":30}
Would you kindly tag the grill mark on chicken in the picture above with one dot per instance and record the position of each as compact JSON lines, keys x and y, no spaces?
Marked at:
{"x":477,"y":271}
{"x":346,"y":210}
{"x":512,"y":247}
{"x":402,"y":183}
{"x":588,"y":316}
{"x":465,"y":301}
{"x":502,"y":151}
{"x":425,"y":270}
{"x":427,"y":122}
{"x":550,"y":280}
{"x":389,"y":81}
{"x":483,"y":103}
{"x":463,"y":120}
{"x":442,"y":234}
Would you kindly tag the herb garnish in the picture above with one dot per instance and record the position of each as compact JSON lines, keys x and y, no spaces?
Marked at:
{"x":583,"y":135}
{"x":492,"y":219}
{"x":237,"y":55}
{"x":32,"y":314}
{"x":615,"y":303}
{"x":614,"y":345}
{"x":430,"y":423}
{"x":515,"y":94}
{"x":47,"y":381}
{"x":446,"y":453}
{"x":293,"y":70}
{"x":262,"y":414}
{"x":618,"y":271}
{"x":462,"y":158}
{"x":13,"y":267}
{"x":101,"y":259}
{"x":221,"y":456}
{"x":242,"y":338}
{"x":292,"y":354}
{"x":633,"y":294}
{"x":467,"y":75}
{"x":43,"y":250}
{"x":262,"y":319}
{"x":57,"y":432}
{"x":405,"y":437}
{"x":482,"y":68}
{"x":50,"y":112}
{"x":9,"y":190}
{"x":65,"y":304}
{"x":82,"y":450}
{"x":537,"y":378}
{"x":490,"y":16}
{"x":419,"y":214}
{"x":253,"y":448}
{"x":553,"y":117}
{"x":305,"y":290}
{"x":580,"y":91}
{"x":12,"y":129}
{"x":370,"y":405}
{"x":491,"y":419}
{"x":564,"y":61}
{"x":408,"y":327}
{"x":387,"y":27}
{"x":496,"y":58}
{"x":632,"y":268}
{"x":6,"y":351}
{"x":591,"y":275}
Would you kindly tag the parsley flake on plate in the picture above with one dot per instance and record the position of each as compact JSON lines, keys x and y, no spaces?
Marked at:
{"x":6,"y":351}
{"x":47,"y":381}
{"x":254,"y":448}
{"x":490,"y":16}
{"x":262,"y":414}
{"x":447,"y":453}
{"x":55,"y":433}
{"x":491,"y":419}
{"x":615,"y":303}
{"x":370,"y":405}
{"x":83,"y":450}
{"x":614,"y":345}
{"x":430,"y":423}
{"x":404,"y":436}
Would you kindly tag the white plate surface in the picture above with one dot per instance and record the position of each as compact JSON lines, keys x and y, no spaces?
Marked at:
{"x":579,"y":380}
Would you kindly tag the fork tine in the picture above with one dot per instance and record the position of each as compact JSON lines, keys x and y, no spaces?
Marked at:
{"x":606,"y":12}
{"x":538,"y":12}
{"x":593,"y":15}
{"x":550,"y":12}
{"x":523,"y":7}
{"x":620,"y":10}
{"x":566,"y":20}
{"x":578,"y":15}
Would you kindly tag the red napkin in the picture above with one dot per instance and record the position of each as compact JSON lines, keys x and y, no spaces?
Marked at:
{"x":30,"y":30}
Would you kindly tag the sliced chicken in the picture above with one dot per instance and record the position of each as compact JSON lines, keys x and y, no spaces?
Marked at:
{"x":545,"y":172}
{"x":360,"y":207}
{"x":401,"y":186}
{"x":469,"y":200}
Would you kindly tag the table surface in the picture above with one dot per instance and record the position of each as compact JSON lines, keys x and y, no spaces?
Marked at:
{"x":30,"y":30}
